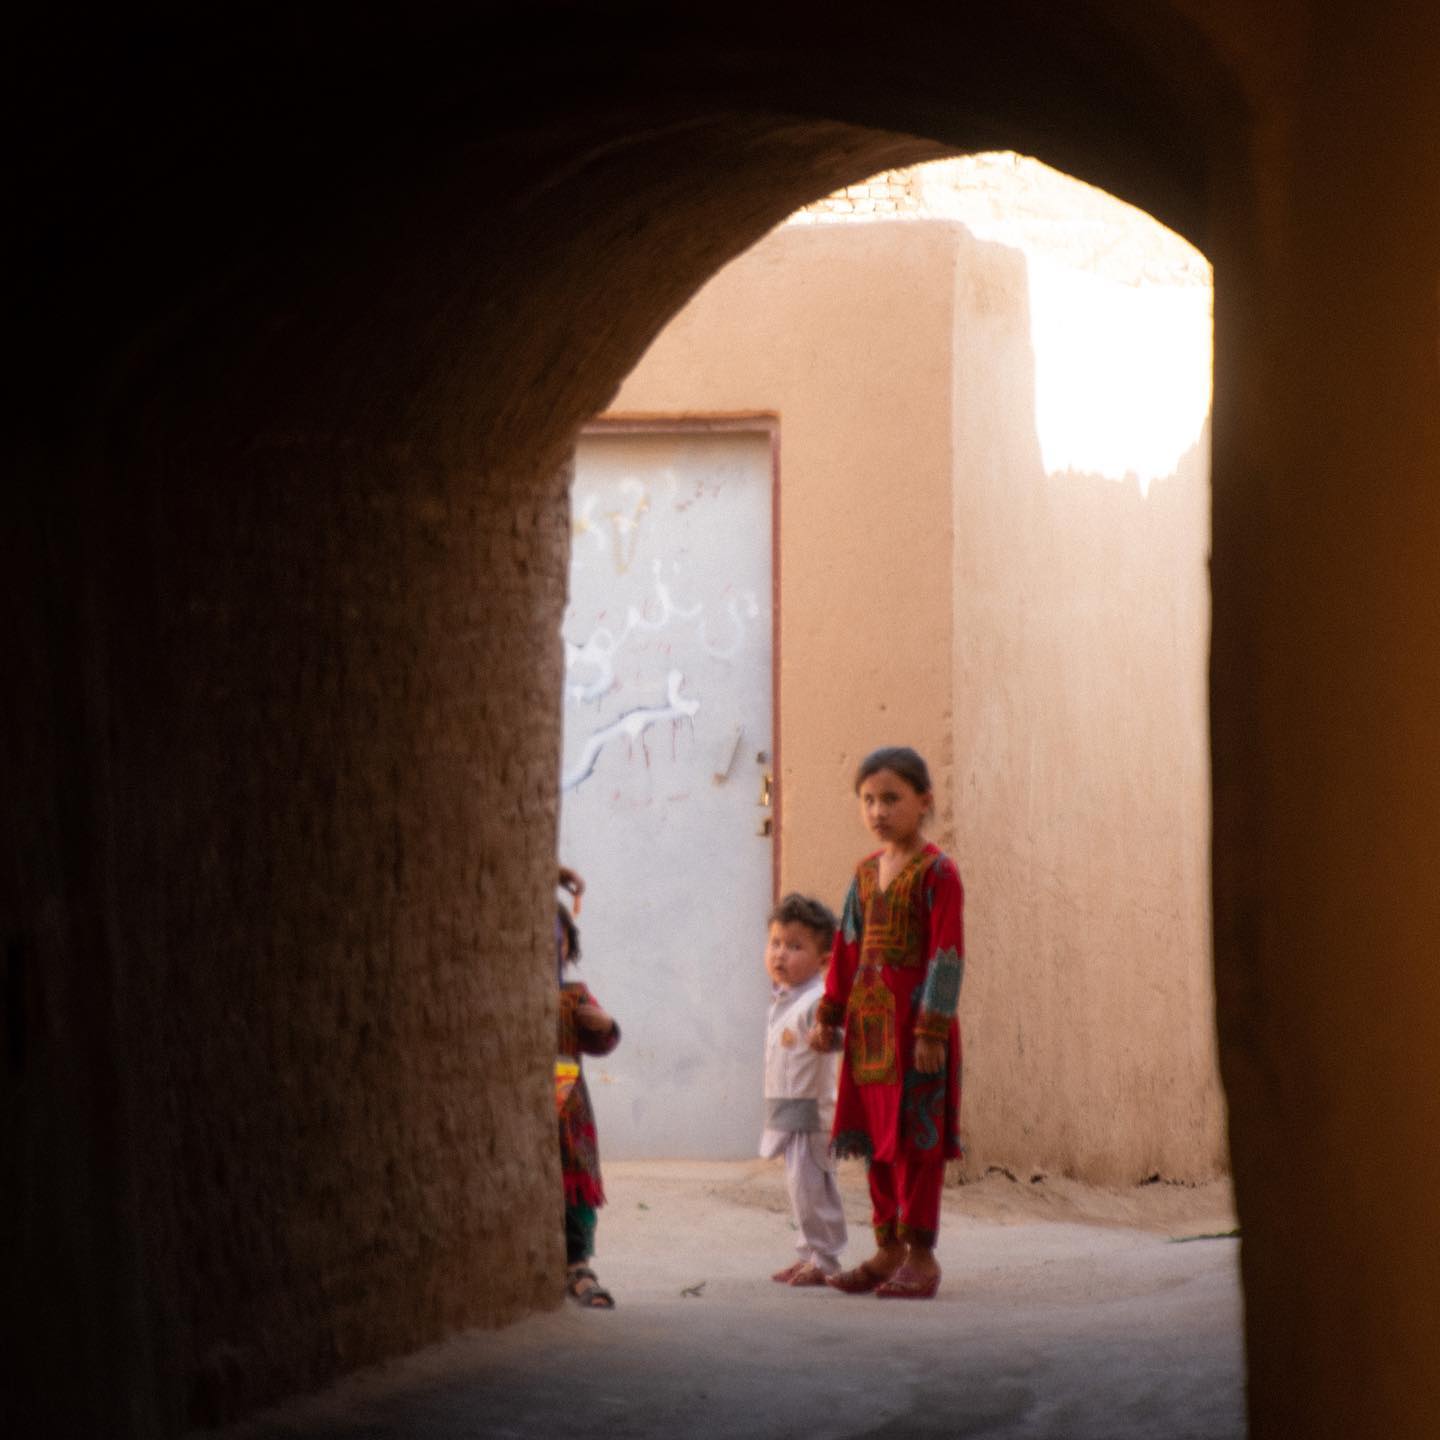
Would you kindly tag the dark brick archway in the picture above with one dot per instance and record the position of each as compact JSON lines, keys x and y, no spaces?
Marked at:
{"x":309,"y":316}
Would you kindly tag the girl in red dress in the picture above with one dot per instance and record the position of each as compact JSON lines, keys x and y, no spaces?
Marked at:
{"x":892,"y":990}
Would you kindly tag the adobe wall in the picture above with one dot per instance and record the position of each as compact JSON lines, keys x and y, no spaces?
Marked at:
{"x":291,"y":1087}
{"x":285,"y":572}
{"x":1326,"y":703}
{"x":1040,"y":639}
{"x":1081,"y":777}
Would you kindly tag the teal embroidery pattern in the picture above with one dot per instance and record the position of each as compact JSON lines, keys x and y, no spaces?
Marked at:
{"x":922,"y":1110}
{"x":941,"y":995}
{"x":850,"y":917}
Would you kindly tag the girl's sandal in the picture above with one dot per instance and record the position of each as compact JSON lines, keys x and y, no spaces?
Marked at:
{"x":908,"y":1284}
{"x":859,"y":1281}
{"x":809,"y":1274}
{"x":591,"y":1296}
{"x":785,"y":1276}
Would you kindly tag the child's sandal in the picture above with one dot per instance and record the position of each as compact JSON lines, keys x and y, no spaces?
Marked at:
{"x":808,"y":1274}
{"x":859,"y":1281}
{"x":592,"y":1296}
{"x":908,"y":1284}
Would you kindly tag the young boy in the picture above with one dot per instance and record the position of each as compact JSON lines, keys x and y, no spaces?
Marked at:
{"x":800,"y":1087}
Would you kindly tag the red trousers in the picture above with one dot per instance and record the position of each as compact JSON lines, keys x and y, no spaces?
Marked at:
{"x":905,"y":1196}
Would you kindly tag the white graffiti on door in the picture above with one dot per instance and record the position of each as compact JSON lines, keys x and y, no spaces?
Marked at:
{"x":733,"y":606}
{"x":600,"y":648}
{"x":594,"y":657}
{"x":632,"y":724}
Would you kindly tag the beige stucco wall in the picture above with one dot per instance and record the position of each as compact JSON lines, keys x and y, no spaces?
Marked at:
{"x":1040,"y":639}
{"x":1081,"y":779}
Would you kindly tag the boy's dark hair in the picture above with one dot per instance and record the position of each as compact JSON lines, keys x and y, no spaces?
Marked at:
{"x":797,"y":909}
{"x":572,"y":933}
{"x":905,"y":762}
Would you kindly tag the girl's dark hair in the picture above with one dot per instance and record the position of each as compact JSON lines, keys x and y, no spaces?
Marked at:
{"x":572,"y":933}
{"x":800,"y":909}
{"x":905,"y":762}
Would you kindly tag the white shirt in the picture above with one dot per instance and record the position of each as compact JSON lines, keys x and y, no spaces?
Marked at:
{"x":799,"y":1082}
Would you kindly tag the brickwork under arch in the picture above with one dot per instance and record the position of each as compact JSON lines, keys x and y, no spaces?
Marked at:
{"x":308,"y":318}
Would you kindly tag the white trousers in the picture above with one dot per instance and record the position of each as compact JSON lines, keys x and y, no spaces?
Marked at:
{"x":815,"y":1200}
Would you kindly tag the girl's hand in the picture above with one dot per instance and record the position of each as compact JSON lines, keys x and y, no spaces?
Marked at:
{"x":929,"y":1055}
{"x":592,"y":1017}
{"x":821,"y":1038}
{"x":572,"y":882}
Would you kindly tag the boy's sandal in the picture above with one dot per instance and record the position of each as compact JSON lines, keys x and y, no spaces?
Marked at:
{"x":785,"y":1276}
{"x":808,"y":1273}
{"x":859,"y":1281}
{"x":908,"y":1284}
{"x":593,"y":1296}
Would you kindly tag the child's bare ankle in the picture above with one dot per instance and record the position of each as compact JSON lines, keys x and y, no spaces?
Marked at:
{"x":921,"y":1258}
{"x":887,"y":1259}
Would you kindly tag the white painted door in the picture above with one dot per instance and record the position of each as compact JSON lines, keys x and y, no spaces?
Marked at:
{"x":668,"y":746}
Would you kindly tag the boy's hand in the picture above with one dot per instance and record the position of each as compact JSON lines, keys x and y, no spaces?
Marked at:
{"x":929,"y":1055}
{"x":592,"y":1017}
{"x":821,"y":1038}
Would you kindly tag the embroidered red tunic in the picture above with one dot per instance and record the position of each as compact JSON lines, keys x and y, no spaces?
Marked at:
{"x":895,"y":973}
{"x":579,"y":1152}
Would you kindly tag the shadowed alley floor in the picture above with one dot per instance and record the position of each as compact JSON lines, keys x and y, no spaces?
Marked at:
{"x":1066,"y":1313}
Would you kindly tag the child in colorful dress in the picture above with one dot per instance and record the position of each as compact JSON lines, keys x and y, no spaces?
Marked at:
{"x":584,"y":1028}
{"x":894,"y":986}
{"x":800,"y":1087}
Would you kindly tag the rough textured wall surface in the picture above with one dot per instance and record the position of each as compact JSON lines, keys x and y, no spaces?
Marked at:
{"x":1081,"y":780}
{"x":1326,"y":705}
{"x":152,"y":181}
{"x":286,"y":581}
{"x":316,"y":820}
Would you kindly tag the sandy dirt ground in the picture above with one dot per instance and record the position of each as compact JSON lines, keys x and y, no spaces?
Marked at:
{"x":1066,"y":1313}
